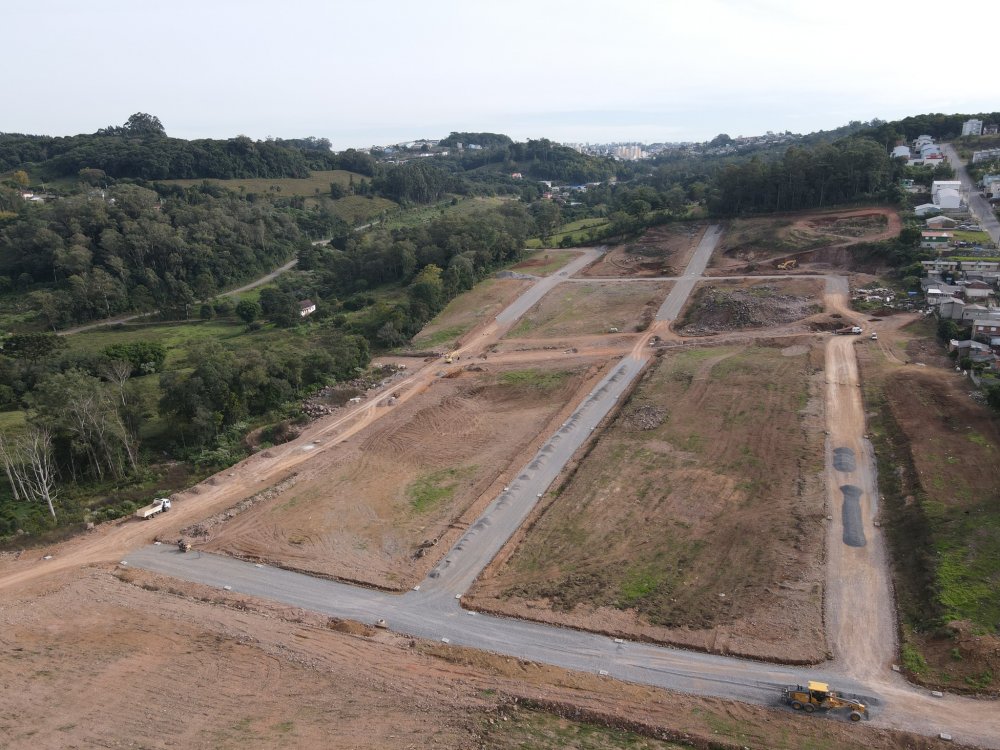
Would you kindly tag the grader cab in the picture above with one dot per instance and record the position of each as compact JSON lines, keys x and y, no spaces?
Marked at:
{"x":817,"y":695}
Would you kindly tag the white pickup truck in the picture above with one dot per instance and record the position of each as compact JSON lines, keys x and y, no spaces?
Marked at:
{"x":157,"y":506}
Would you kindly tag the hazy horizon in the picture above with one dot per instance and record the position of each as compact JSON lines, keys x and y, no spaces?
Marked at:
{"x":391,"y":71}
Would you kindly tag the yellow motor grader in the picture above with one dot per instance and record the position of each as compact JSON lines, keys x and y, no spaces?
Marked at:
{"x":817,"y":695}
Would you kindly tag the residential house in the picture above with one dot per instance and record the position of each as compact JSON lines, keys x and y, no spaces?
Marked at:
{"x":974,"y":350}
{"x":307,"y":307}
{"x":921,"y":141}
{"x":978,"y":312}
{"x":902,"y":152}
{"x":972,"y":127}
{"x":986,"y":329}
{"x":935,"y":240}
{"x":979,"y":290}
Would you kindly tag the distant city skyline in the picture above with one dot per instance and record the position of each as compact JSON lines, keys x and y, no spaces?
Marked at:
{"x":388,"y":71}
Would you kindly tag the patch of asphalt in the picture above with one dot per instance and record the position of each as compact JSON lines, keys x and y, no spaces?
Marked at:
{"x":854,"y":532}
{"x":843,"y":459}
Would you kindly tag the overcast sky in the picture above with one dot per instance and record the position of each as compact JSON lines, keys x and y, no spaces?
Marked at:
{"x":381,"y":71}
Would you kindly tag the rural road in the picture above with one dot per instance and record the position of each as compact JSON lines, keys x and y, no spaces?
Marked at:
{"x":978,"y":205}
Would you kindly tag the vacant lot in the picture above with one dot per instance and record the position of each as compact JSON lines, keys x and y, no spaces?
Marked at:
{"x":660,"y":251}
{"x":650,"y":536}
{"x":468,"y":310}
{"x":363,"y":512}
{"x":545,"y":262}
{"x":939,"y":471}
{"x":593,"y":307}
{"x":181,"y":665}
{"x":740,"y":305}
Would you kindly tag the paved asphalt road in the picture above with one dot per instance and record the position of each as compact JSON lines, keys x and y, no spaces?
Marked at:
{"x":533,"y":295}
{"x":978,"y":205}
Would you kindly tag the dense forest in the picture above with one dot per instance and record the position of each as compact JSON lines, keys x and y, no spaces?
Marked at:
{"x":100,"y":253}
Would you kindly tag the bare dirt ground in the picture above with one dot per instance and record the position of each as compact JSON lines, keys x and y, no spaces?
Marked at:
{"x":146,"y":661}
{"x":757,"y":245}
{"x":721,"y":306}
{"x":364,"y":512}
{"x":592,"y":307}
{"x":715,"y":446}
{"x":661,"y":251}
{"x":545,"y":262}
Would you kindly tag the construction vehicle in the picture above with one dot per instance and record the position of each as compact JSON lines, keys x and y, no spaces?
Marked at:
{"x":183,"y":545}
{"x":162,"y":505}
{"x":817,"y":695}
{"x":849,"y":331}
{"x":788,"y":265}
{"x":451,"y":358}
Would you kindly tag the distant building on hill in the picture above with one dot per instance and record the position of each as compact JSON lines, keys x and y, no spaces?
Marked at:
{"x":972,"y":127}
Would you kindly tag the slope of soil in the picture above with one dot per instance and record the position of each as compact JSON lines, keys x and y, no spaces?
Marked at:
{"x":758,"y":243}
{"x":735,"y":306}
{"x":648,"y":538}
{"x":660,"y":251}
{"x":941,"y":480}
{"x":582,"y":308}
{"x":161,"y":663}
{"x":364,"y":512}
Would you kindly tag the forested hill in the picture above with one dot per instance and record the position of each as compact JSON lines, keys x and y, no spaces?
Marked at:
{"x":140,"y":149}
{"x":940,"y":126}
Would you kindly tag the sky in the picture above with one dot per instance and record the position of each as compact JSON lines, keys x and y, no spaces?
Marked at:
{"x":375,"y":72}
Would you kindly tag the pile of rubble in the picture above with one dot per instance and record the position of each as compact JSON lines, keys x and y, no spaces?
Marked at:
{"x":329,"y":399}
{"x":718,"y":310}
{"x":645,"y":417}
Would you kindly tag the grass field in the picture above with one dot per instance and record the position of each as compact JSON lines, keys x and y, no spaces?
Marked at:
{"x":317,"y":183}
{"x":359,"y":209}
{"x":938,"y":471}
{"x":575,"y":229}
{"x":421,"y":215}
{"x":978,"y":238}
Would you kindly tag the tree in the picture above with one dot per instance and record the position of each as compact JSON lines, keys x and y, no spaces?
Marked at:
{"x":20,"y":178}
{"x":143,"y":124}
{"x":29,"y":467}
{"x":32,"y":346}
{"x":248,"y":310}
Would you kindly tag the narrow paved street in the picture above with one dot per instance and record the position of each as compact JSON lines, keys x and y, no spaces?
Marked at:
{"x":978,"y":205}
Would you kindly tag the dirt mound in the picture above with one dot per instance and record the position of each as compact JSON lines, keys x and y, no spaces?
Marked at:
{"x":718,"y":309}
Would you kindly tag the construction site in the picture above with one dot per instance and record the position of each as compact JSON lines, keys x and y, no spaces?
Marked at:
{"x":632,"y":498}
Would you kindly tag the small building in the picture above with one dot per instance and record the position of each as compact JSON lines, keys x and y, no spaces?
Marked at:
{"x":517,"y":176}
{"x":987,"y":155}
{"x":976,"y":289}
{"x":935,"y":240}
{"x":941,"y":222}
{"x":921,"y":141}
{"x":975,"y":312}
{"x":926,"y":208}
{"x":950,"y":308}
{"x":901,"y":152}
{"x":974,"y":350}
{"x":986,"y":328}
{"x":972,"y":127}
{"x":306,"y":307}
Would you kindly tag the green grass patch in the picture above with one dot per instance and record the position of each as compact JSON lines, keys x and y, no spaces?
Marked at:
{"x":431,"y":489}
{"x":979,"y":238}
{"x":317,"y":183}
{"x":442,"y":336}
{"x":544,"y":380}
{"x":578,"y":231}
{"x":11,"y":422}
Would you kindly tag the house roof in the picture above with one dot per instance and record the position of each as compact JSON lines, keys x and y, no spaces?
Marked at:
{"x":306,"y":303}
{"x":935,"y":235}
{"x":992,"y":322}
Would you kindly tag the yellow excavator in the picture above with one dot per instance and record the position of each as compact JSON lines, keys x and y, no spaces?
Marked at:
{"x":817,"y":695}
{"x":788,"y":265}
